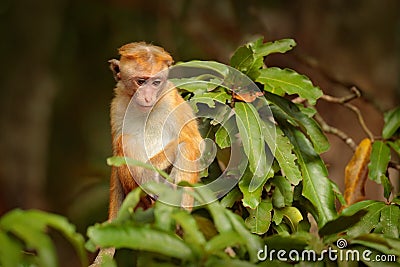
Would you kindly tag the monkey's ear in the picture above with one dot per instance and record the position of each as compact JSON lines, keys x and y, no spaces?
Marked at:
{"x":114,"y":67}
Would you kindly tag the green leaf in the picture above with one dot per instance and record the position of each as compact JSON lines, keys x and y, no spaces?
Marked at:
{"x":195,"y":84}
{"x":128,"y":205}
{"x":121,"y":161}
{"x":380,"y":157}
{"x":30,"y":227}
{"x":251,"y":199}
{"x":341,"y":223}
{"x":221,"y":221}
{"x":297,"y":241}
{"x":242,"y":59}
{"x":210,"y":65}
{"x":222,"y":241}
{"x":226,"y":132}
{"x":289,"y":81}
{"x":191,"y":232}
{"x":392,"y":123}
{"x":253,"y":242}
{"x":387,"y":186}
{"x":10,"y":252}
{"x":163,"y":215}
{"x":316,"y":186}
{"x":222,"y":138}
{"x":259,"y":218}
{"x":395,"y":146}
{"x":233,"y":196}
{"x":389,"y":220}
{"x":139,"y":238}
{"x":293,"y":216}
{"x":283,"y":152}
{"x":212,"y":262}
{"x":386,"y":245}
{"x":264,"y":49}
{"x":369,"y":221}
{"x":285,"y":190}
{"x":314,"y":132}
{"x":250,"y":129}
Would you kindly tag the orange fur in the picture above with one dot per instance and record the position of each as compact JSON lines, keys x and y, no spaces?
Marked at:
{"x":144,"y":60}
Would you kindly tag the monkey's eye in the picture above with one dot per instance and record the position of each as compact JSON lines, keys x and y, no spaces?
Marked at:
{"x":156,"y":83}
{"x":140,"y":81}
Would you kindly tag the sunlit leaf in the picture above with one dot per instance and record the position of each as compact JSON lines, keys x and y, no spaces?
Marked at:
{"x":289,"y":81}
{"x":293,"y":216}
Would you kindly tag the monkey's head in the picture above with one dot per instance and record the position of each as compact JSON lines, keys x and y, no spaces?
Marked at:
{"x":142,"y":71}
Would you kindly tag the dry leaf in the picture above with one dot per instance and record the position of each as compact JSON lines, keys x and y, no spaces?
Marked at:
{"x":247,"y":97}
{"x":356,"y":173}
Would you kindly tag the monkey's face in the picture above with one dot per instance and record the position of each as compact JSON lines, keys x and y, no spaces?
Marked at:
{"x":143,"y":81}
{"x":146,"y":90}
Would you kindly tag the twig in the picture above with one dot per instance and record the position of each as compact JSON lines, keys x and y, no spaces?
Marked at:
{"x":335,"y":131}
{"x":331,"y":77}
{"x":344,"y":101}
{"x":361,"y":120}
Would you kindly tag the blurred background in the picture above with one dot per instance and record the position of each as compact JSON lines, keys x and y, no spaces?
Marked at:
{"x":56,"y":88}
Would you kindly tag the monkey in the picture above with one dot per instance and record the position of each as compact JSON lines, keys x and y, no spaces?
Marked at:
{"x":150,"y":122}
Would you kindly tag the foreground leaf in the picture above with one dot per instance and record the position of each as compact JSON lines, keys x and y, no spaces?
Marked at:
{"x":139,"y":238}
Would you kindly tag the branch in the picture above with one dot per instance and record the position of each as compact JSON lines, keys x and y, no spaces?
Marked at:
{"x":344,"y":101}
{"x":335,"y":131}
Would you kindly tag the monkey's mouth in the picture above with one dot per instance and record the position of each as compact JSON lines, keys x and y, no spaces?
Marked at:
{"x":145,"y":107}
